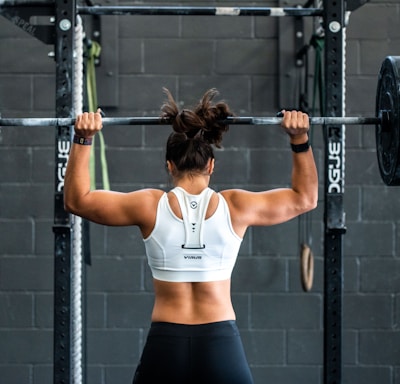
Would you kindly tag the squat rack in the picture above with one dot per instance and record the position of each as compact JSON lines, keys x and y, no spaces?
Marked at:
{"x":62,"y":36}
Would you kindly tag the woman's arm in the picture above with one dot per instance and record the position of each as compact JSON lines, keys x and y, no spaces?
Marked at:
{"x":280,"y":205}
{"x":103,"y":207}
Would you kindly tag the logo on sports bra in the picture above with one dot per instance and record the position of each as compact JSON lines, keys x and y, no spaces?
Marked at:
{"x":192,"y":257}
{"x":193,"y":204}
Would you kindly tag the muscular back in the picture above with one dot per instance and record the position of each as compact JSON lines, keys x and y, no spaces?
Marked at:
{"x":192,"y":303}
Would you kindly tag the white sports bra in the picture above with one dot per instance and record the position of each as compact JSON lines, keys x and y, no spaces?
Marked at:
{"x":192,"y":249}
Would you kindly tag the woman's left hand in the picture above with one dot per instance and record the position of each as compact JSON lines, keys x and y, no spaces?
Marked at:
{"x":88,"y":124}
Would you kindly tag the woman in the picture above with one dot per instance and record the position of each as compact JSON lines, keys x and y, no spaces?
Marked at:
{"x":192,"y":236}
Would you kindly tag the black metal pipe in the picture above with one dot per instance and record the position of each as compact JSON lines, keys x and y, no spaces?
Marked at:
{"x":198,"y":11}
{"x":33,"y":3}
{"x":172,"y":10}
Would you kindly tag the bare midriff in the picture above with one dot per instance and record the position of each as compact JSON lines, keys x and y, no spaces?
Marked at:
{"x":192,"y":303}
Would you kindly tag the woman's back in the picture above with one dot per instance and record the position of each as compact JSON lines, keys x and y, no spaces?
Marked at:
{"x":192,"y":303}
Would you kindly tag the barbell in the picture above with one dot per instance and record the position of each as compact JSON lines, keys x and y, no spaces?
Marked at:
{"x":386,"y":121}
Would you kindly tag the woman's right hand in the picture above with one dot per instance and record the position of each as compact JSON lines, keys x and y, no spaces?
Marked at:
{"x":88,"y":124}
{"x":296,"y":124}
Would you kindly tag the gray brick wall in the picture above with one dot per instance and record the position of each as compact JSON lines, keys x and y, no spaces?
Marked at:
{"x":282,"y":327}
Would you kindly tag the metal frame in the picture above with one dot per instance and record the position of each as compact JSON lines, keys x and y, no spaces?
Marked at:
{"x":64,"y":26}
{"x":199,"y":11}
{"x":334,"y":218}
{"x":175,"y":10}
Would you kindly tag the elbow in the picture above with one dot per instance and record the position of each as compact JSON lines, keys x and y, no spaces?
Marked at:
{"x":307,"y":202}
{"x":73,"y":210}
{"x":306,"y":207}
{"x":76,"y":205}
{"x":69,"y":208}
{"x":69,"y":205}
{"x":313,"y":204}
{"x":310,"y":203}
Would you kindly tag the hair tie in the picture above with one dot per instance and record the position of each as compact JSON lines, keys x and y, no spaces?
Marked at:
{"x":195,"y":134}
{"x":200,"y":133}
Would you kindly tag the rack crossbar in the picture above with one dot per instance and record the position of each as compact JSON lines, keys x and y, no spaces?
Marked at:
{"x":197,"y":11}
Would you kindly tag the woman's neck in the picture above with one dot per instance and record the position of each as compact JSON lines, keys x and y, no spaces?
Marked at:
{"x":193,"y":184}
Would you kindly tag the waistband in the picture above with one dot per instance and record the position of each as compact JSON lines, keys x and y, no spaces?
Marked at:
{"x":182,"y":275}
{"x":219,"y":328}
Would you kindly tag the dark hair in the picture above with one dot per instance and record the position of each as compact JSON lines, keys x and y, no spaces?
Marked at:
{"x":190,"y":146}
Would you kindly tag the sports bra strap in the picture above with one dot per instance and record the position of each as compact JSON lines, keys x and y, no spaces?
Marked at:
{"x":193,"y":208}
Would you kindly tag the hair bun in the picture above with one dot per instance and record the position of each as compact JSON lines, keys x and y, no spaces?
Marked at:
{"x":205,"y":121}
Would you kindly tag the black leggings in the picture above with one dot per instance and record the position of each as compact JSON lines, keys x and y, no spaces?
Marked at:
{"x":193,"y":354}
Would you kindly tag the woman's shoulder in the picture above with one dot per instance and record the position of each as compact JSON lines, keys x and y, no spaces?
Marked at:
{"x":146,"y":197}
{"x":238,"y":200}
{"x":229,"y":194}
{"x":149,"y":192}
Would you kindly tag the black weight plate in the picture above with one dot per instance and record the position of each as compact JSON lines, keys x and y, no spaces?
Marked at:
{"x":388,"y":132}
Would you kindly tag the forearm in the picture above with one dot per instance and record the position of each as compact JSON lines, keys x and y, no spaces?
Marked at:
{"x":304,"y":175}
{"x":77,"y":177}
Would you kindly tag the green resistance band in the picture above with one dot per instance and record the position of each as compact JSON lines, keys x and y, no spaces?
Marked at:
{"x":93,"y":53}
